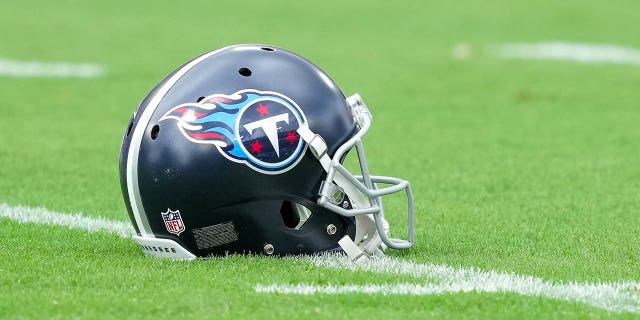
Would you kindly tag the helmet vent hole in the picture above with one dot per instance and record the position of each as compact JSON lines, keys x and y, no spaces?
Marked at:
{"x":130,"y":128}
{"x":245,"y":72}
{"x":199,"y":99}
{"x":294,"y":215}
{"x":267,"y":49}
{"x":155,"y":131}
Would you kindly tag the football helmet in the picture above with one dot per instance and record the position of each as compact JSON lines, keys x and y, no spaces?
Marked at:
{"x":240,"y":150}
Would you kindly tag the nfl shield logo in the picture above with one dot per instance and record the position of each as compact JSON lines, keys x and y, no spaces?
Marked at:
{"x":173,"y":221}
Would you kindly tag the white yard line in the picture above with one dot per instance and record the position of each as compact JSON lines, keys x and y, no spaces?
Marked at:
{"x":76,"y":221}
{"x":430,"y":278}
{"x":40,"y":69}
{"x":577,"y":52}
{"x":441,"y":279}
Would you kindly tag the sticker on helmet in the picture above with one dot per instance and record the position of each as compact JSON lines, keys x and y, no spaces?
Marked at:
{"x":173,"y":221}
{"x":257,"y":128}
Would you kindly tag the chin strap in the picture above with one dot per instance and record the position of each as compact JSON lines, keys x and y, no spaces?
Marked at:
{"x":353,"y":251}
{"x":366,"y":235}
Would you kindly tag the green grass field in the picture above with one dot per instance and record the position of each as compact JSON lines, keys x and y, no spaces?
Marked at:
{"x":518,"y":166}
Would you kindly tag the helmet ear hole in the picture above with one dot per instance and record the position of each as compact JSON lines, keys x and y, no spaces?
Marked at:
{"x":289,"y":216}
{"x":294,"y":215}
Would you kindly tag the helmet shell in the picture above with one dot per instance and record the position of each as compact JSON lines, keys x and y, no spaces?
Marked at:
{"x":226,"y":206}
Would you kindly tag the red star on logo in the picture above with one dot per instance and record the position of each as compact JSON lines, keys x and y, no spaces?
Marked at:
{"x":291,"y":137}
{"x":256,"y":147}
{"x":263,"y":109}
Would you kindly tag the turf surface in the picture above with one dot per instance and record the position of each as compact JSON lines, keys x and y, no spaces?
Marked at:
{"x":519,"y":166}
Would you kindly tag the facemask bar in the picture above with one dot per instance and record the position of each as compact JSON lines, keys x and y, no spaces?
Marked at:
{"x":362,"y":191}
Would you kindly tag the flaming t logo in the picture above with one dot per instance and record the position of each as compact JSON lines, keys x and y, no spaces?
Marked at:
{"x":257,"y":128}
{"x":268,"y":125}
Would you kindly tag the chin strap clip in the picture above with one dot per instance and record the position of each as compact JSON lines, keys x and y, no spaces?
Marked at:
{"x":353,"y":252}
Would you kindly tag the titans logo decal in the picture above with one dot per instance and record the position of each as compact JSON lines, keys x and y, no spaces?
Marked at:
{"x":257,"y":128}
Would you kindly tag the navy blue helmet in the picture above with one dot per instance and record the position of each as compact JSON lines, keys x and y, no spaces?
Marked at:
{"x":240,"y":150}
